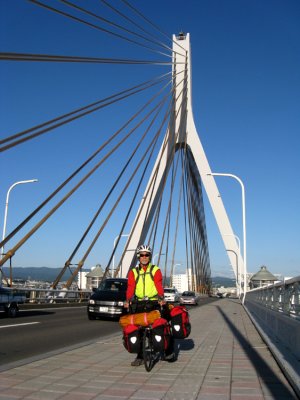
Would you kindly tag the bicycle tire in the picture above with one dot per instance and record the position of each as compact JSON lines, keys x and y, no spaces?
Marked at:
{"x":148,"y":351}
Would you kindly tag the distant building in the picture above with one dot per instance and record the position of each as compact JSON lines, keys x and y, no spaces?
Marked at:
{"x":182,"y":282}
{"x":262,"y":278}
{"x":82,"y":279}
{"x":94,"y":277}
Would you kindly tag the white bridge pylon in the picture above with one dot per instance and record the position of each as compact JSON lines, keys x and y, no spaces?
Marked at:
{"x":181,"y":131}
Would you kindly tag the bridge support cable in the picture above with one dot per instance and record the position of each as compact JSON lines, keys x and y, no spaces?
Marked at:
{"x":134,"y":23}
{"x":177,"y":218}
{"x":150,"y":189}
{"x":157,"y":28}
{"x":80,"y":168}
{"x":97,"y":27}
{"x":4,"y":56}
{"x":166,"y":225}
{"x":81,"y":263}
{"x":199,"y":247}
{"x":78,"y":113}
{"x":146,"y":213}
{"x":153,"y":174}
{"x":119,"y":27}
{"x":152,"y":145}
{"x":41,"y":222}
{"x":185,"y":213}
{"x":186,"y":128}
{"x":191,"y":268}
{"x":203,"y":167}
{"x":163,"y":164}
{"x":139,"y":164}
{"x":158,"y":177}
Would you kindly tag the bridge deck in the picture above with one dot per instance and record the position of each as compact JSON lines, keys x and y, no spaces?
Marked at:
{"x":224,"y":358}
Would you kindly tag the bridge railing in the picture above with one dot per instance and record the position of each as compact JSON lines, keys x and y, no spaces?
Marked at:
{"x":283,"y":297}
{"x":55,"y":296}
{"x":275,"y":311}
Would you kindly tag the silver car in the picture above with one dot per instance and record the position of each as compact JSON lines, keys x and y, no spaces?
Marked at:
{"x":171,"y":295}
{"x":189,"y":297}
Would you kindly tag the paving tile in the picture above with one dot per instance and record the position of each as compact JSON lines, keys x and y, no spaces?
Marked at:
{"x":212,"y":364}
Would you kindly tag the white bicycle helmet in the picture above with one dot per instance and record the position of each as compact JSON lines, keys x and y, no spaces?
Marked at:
{"x":143,"y":248}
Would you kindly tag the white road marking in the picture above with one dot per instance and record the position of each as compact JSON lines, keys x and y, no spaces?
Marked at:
{"x":16,"y":325}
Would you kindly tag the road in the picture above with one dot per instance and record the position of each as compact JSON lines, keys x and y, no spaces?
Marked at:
{"x":36,"y":332}
{"x":33,"y":334}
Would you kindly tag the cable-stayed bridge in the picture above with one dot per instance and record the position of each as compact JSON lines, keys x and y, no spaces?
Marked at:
{"x":125,"y":167}
{"x":153,"y":164}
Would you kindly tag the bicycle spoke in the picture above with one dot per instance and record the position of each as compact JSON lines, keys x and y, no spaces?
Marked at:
{"x":148,"y":352}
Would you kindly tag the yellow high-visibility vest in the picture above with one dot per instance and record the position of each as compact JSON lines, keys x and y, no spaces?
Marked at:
{"x":145,"y":286}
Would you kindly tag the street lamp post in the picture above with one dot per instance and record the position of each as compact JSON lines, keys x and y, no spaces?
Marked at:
{"x":113,"y":260}
{"x":156,"y":255}
{"x":6,"y":207}
{"x":237,"y":238}
{"x":237,"y":258}
{"x":244,"y":223}
{"x":171,"y":282}
{"x":5,"y":218}
{"x":237,"y":272}
{"x":174,"y":267}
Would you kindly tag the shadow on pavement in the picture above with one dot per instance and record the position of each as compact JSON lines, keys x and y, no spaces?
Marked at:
{"x":275,"y":386}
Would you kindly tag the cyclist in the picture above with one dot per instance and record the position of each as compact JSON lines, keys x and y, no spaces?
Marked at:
{"x":145,"y":282}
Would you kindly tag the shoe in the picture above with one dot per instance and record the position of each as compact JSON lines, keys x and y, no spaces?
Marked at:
{"x":170,"y":357}
{"x":137,"y":362}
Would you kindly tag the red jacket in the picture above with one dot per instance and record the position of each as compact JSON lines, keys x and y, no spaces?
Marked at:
{"x":158,"y":279}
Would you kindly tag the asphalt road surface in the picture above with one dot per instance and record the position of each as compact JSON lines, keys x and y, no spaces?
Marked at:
{"x":34,"y":333}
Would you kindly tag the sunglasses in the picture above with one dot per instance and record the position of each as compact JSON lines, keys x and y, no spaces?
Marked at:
{"x":145,"y":255}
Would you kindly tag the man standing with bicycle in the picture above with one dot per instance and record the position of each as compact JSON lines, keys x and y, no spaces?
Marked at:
{"x":145,"y":282}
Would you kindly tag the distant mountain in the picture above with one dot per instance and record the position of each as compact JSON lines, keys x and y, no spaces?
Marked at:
{"x":218,"y":281}
{"x":49,"y":274}
{"x":37,"y":273}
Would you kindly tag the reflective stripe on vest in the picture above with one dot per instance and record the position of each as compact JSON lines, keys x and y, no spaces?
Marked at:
{"x":145,"y":286}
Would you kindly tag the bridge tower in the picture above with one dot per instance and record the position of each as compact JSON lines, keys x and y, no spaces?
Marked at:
{"x":181,"y":130}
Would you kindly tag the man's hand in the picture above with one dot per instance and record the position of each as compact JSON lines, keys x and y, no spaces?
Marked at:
{"x":126,"y":304}
{"x":161,"y":301}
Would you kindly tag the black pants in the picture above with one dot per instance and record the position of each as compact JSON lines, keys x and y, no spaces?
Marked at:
{"x":137,"y":306}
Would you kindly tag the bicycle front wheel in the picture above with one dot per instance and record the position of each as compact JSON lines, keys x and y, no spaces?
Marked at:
{"x":148,"y":352}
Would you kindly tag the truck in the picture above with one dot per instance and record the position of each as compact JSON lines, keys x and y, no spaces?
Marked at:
{"x":10,"y":300}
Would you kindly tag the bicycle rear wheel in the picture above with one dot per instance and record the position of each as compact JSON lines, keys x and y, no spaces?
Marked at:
{"x":148,"y":352}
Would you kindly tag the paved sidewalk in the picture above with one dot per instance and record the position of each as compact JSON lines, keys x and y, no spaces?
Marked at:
{"x":224,"y":358}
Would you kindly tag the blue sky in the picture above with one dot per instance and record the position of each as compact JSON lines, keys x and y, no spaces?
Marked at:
{"x":246,"y":102}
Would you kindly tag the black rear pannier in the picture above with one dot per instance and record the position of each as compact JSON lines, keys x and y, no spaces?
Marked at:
{"x":180,"y":323}
{"x":160,"y":334}
{"x":132,"y":338}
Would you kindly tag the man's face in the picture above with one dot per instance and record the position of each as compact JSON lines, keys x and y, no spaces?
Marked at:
{"x":144,"y":258}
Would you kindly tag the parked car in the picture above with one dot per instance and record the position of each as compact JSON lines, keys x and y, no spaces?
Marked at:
{"x":108,"y":299}
{"x":10,"y":300}
{"x":189,"y":297}
{"x":171,"y":295}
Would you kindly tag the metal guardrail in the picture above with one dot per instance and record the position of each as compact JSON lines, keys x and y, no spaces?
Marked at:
{"x":53,"y":296}
{"x":283,"y":297}
{"x":275,"y":311}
